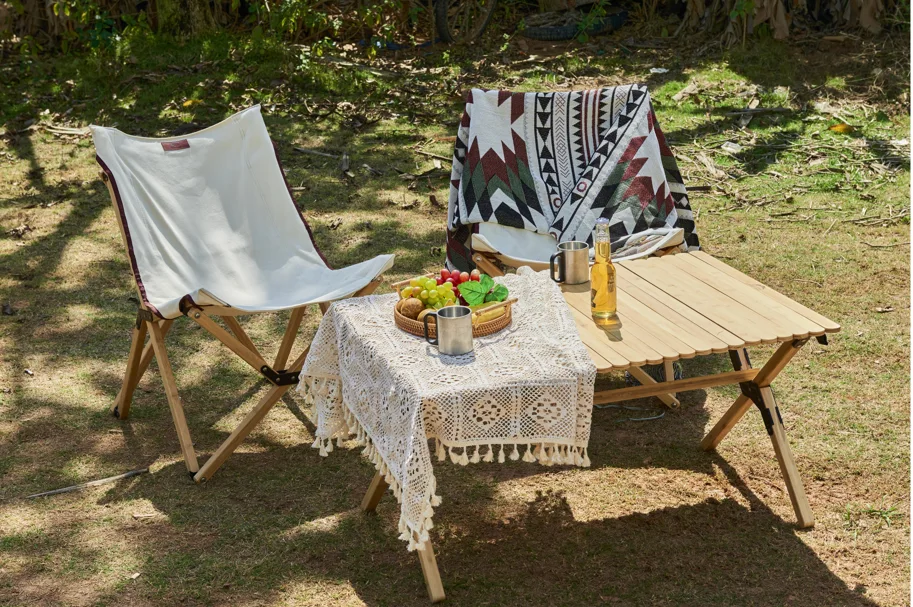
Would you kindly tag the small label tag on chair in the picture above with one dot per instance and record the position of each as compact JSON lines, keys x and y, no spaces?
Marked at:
{"x":170,"y":146}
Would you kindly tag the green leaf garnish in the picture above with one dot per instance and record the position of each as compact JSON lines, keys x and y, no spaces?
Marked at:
{"x":499,"y":293}
{"x":473,"y":292}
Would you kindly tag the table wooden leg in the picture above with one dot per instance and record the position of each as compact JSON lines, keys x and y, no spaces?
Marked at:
{"x":431,"y":574}
{"x":375,"y":493}
{"x":765,"y":376}
{"x":787,"y":463}
{"x":668,"y":399}
{"x":759,"y":392}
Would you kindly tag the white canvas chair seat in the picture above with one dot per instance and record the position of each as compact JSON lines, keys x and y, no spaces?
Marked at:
{"x":212,"y":232}
{"x":210,"y":221}
{"x":515,"y":247}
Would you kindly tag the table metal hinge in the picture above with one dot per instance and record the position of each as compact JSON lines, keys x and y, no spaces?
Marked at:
{"x":753,"y":392}
{"x":280,"y":378}
{"x":143,"y":315}
{"x":822,"y":339}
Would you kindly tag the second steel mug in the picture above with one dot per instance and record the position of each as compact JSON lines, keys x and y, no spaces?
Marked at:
{"x":571,"y":264}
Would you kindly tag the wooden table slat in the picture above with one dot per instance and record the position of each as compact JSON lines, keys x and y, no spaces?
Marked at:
{"x":771,"y":309}
{"x":828,"y":325}
{"x":721,"y":309}
{"x":663,"y":304}
{"x":627,"y":343}
{"x":672,"y":324}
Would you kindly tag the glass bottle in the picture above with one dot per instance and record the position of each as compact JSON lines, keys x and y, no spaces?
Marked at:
{"x":603,"y":298}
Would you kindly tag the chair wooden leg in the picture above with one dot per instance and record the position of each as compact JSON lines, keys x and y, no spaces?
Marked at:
{"x":174,"y":399}
{"x":288,"y":340}
{"x":668,"y":399}
{"x":121,"y":407}
{"x":239,"y":332}
{"x":246,"y":426}
{"x":788,"y":468}
{"x":486,"y":265}
{"x":375,"y":493}
{"x":431,"y":573}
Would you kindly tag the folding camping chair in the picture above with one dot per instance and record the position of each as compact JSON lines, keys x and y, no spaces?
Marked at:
{"x":212,"y":231}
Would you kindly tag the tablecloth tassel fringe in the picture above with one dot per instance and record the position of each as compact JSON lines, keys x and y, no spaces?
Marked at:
{"x":586,"y":459}
{"x":555,"y":458}
{"x":515,"y":454}
{"x":454,"y":458}
{"x":439,"y":450}
{"x":541,"y":452}
{"x":528,"y":456}
{"x":464,"y":459}
{"x":475,"y":459}
{"x":489,"y":455}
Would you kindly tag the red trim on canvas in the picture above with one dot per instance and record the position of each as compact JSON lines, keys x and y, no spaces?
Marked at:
{"x":123,"y":219}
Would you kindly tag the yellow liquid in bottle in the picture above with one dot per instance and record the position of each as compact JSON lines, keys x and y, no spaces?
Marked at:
{"x":603,"y":297}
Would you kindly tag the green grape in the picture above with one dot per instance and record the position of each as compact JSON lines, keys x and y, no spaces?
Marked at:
{"x":406,"y":293}
{"x":415,"y":282}
{"x":438,"y":305}
{"x":423,"y":295}
{"x":431,"y":284}
{"x":433,"y":296}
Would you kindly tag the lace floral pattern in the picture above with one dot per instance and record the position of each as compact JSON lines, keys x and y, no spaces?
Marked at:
{"x":526,"y":391}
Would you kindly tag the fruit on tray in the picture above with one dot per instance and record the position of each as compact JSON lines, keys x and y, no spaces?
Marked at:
{"x":411,"y":307}
{"x":448,"y":289}
{"x":486,"y":316}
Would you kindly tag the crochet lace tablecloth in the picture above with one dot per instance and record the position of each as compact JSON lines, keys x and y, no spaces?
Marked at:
{"x":526,"y":391}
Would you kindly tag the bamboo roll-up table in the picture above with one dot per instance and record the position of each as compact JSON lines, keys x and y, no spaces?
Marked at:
{"x":690,"y":304}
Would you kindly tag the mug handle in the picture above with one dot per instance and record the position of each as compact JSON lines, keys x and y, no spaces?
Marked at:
{"x":425,"y":326}
{"x":551,"y":266}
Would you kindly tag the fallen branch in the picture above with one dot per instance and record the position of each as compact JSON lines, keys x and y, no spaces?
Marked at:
{"x":101,"y":481}
{"x":430,"y":155}
{"x":885,"y":246}
{"x":316,"y":153}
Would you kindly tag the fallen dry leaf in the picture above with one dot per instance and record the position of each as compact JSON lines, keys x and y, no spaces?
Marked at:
{"x":884,"y":309}
{"x":842,"y":128}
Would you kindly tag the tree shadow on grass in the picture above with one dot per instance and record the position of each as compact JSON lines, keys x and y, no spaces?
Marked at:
{"x":290,"y":529}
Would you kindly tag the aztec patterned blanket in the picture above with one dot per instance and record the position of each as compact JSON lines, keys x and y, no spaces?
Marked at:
{"x":554,"y":163}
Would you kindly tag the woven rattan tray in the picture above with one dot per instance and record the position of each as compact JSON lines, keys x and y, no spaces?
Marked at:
{"x":480,"y":330}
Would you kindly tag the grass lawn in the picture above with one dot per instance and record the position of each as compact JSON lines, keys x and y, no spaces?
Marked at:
{"x":819,"y":214}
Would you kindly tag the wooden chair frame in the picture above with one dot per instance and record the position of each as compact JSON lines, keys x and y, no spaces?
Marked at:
{"x":281,"y":377}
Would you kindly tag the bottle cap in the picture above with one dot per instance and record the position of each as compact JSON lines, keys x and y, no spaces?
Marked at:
{"x":602,"y":221}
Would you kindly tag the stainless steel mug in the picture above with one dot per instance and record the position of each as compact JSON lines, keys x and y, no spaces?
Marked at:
{"x":454,"y":330}
{"x":572,"y":262}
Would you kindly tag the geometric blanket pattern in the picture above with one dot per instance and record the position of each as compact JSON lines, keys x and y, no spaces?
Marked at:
{"x":554,"y":163}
